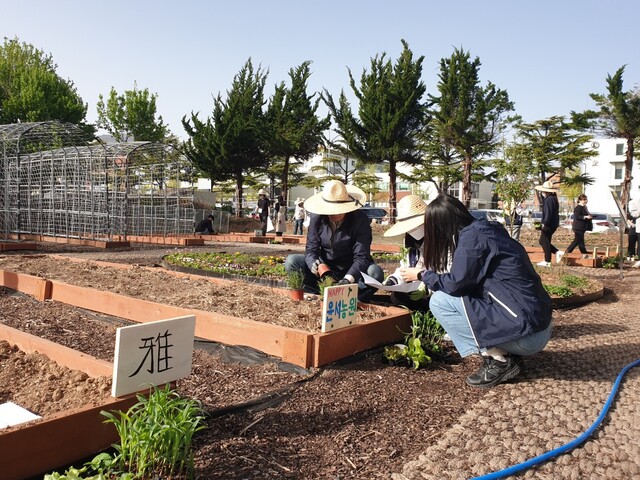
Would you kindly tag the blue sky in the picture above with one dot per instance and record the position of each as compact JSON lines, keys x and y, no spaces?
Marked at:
{"x":548,"y":55}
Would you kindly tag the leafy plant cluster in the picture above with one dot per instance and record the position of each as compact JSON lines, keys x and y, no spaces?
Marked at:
{"x":424,"y":339}
{"x":295,"y":279}
{"x":566,"y":285}
{"x":612,"y":262}
{"x":387,"y":256}
{"x":156,"y":437}
{"x":231,"y":263}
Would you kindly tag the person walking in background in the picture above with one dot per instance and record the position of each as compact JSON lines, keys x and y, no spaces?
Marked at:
{"x":298,"y":217}
{"x":338,"y":241}
{"x":491,"y":302}
{"x":280,"y":219}
{"x":582,"y":222}
{"x":263,"y":210}
{"x":550,"y":222}
{"x":410,"y":222}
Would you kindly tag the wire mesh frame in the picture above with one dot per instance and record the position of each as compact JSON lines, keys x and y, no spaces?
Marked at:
{"x":91,"y":191}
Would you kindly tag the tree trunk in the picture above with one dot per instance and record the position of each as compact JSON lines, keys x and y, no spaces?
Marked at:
{"x":628,"y":166}
{"x":466,"y":180}
{"x":238,"y":195}
{"x":392,"y":192}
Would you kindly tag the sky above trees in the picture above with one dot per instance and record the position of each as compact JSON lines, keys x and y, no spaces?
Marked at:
{"x":548,"y":55}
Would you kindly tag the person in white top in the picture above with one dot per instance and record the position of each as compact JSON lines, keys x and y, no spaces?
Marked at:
{"x":298,"y":216}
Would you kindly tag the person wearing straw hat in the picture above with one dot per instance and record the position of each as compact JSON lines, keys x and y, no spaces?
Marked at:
{"x":338,"y":241}
{"x":549,"y":223}
{"x":263,"y":210}
{"x":410,"y":223}
{"x":298,"y":216}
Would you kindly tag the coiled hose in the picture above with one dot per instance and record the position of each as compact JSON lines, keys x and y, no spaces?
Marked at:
{"x":568,"y":446}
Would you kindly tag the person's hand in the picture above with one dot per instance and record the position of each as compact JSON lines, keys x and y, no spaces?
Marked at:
{"x":314,"y":267}
{"x":418,"y":294}
{"x":344,"y":281}
{"x":410,"y":274}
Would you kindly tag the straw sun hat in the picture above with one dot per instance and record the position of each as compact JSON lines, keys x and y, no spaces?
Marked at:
{"x":336,"y":198}
{"x":299,"y":200}
{"x":547,"y":187}
{"x":262,"y":191}
{"x":411,"y":211}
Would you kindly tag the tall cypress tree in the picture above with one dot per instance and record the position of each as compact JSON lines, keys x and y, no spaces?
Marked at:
{"x":466,"y":116}
{"x":232,"y":143}
{"x":390,"y":115}
{"x":295,"y":131}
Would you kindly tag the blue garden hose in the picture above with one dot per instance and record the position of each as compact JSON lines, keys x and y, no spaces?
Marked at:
{"x":569,"y":446}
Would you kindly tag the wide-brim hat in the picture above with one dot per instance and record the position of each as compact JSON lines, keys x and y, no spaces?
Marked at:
{"x":262,"y":191}
{"x":547,"y":187}
{"x":411,"y":210}
{"x":299,"y":200}
{"x":336,"y":198}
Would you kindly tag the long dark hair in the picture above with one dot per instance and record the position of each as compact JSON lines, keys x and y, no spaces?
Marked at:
{"x":443,"y":220}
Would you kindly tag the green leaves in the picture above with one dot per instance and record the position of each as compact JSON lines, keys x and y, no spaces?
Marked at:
{"x":132,"y":114}
{"x":31,"y":90}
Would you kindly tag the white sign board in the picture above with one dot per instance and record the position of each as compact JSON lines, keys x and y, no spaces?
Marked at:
{"x":339,"y":307}
{"x":152,"y":353}
{"x":12,"y":414}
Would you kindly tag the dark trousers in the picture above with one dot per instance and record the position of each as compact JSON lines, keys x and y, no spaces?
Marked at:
{"x":545,"y":243}
{"x":633,"y":240}
{"x":578,"y":241}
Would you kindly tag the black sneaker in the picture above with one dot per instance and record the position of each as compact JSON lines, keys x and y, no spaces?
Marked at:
{"x":492,"y":372}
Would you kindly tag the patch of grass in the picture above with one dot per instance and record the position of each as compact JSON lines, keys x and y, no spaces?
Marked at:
{"x":574,"y":281}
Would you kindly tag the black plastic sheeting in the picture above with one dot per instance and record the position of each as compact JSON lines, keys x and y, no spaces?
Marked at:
{"x":250,"y":356}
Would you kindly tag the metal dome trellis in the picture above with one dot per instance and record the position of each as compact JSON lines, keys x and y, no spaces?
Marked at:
{"x":57,"y":180}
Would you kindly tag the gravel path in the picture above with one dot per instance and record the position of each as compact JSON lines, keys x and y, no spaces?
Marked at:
{"x":561,"y":394}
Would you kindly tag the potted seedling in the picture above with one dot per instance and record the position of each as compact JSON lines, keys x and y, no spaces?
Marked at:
{"x":294,"y":283}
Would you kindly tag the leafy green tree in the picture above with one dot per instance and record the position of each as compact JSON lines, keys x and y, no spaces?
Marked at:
{"x":231,"y":143}
{"x":554,"y":146}
{"x":295,"y":130}
{"x":466,"y":117}
{"x":132,"y":114}
{"x":390,"y":115}
{"x":618,"y":116}
{"x":32,"y":91}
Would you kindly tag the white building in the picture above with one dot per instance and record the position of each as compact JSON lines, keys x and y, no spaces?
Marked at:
{"x":607,"y":171}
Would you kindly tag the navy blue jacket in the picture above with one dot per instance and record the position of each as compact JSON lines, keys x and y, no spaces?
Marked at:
{"x":580,"y":224}
{"x":502,"y":294}
{"x":550,"y":213}
{"x":347,"y":251}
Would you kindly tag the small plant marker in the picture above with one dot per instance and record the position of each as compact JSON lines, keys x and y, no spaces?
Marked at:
{"x":339,"y":307}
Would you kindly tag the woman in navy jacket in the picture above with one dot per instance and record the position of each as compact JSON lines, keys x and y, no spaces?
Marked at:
{"x":492,"y":301}
{"x":338,"y":240}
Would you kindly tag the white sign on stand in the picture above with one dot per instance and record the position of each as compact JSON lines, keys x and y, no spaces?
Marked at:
{"x":152,"y":353}
{"x":339,"y":307}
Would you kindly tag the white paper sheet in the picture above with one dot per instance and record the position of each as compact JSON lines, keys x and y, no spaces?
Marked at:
{"x":403,"y":287}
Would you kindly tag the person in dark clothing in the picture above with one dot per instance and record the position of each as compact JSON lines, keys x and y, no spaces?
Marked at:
{"x":491,"y":302}
{"x":205,"y":226}
{"x":550,"y":221}
{"x":338,"y":241}
{"x":263,"y":210}
{"x":582,"y":222}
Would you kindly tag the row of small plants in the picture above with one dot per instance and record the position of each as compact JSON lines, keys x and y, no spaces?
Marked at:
{"x":156,"y":436}
{"x":569,"y":284}
{"x":231,"y":263}
{"x":424,"y":340}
